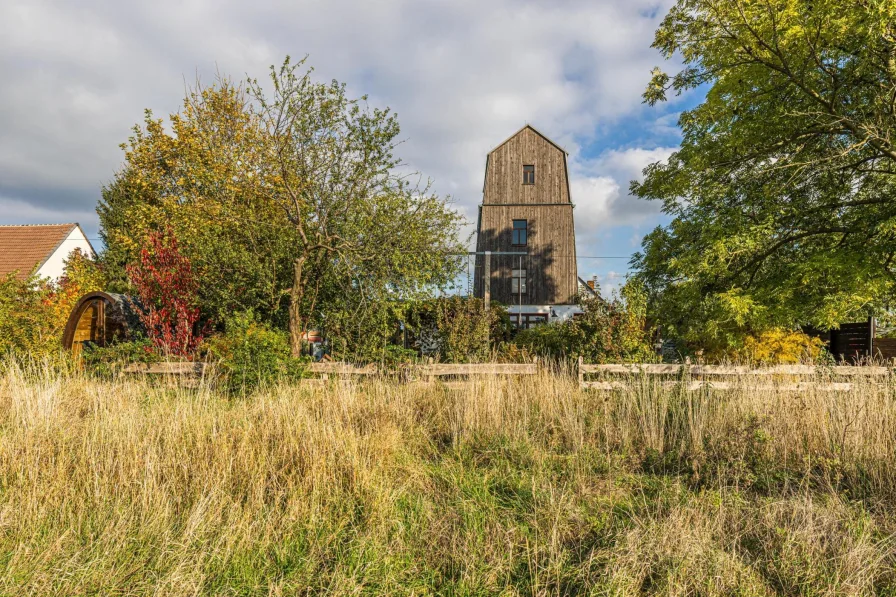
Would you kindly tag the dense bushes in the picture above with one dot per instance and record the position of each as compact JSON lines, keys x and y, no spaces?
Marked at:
{"x":607,"y":331}
{"x":454,"y":328}
{"x":33,"y":312}
{"x":26,"y":323}
{"x":775,"y":346}
{"x":107,"y":361}
{"x":772,"y":346}
{"x":457,"y":329}
{"x":250,"y":353}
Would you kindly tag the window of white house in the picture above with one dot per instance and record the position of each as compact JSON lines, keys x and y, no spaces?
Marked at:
{"x":520,"y":233}
{"x":528,"y":174}
{"x":518,"y":281}
{"x":526,"y":321}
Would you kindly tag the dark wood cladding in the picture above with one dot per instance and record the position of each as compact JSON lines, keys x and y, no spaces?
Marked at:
{"x":885,"y":348}
{"x":504,"y":171}
{"x":852,"y":342}
{"x":550,"y":262}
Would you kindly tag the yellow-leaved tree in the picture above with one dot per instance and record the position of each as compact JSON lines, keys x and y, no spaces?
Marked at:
{"x":291,"y":205}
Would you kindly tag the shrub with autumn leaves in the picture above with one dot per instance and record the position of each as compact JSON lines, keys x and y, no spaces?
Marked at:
{"x":167,"y":289}
{"x":34,"y":311}
{"x":779,"y":346}
{"x":80,"y":276}
{"x":608,"y":331}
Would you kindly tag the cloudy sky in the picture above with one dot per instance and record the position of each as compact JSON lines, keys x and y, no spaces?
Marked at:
{"x":461,"y":74}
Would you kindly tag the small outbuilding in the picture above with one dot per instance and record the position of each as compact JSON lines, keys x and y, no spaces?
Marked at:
{"x":100,"y":318}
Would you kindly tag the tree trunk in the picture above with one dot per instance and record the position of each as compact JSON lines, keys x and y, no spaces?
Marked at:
{"x":296,"y":322}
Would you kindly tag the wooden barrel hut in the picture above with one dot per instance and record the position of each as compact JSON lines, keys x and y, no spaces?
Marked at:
{"x":100,"y":318}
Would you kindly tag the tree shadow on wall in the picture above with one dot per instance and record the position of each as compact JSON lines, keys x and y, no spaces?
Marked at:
{"x":541,"y":286}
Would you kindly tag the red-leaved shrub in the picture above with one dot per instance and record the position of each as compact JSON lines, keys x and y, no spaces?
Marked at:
{"x":168,"y":291}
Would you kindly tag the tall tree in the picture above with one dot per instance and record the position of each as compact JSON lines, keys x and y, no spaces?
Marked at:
{"x":363,"y":232}
{"x":202,"y":177}
{"x":782,"y":191}
{"x":293,"y":200}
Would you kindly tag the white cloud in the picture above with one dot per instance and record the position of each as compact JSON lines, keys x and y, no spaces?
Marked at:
{"x":594,"y":197}
{"x":600,"y":191}
{"x":462,"y":76}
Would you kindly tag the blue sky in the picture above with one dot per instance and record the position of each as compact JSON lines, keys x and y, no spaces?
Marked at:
{"x":461,"y":74}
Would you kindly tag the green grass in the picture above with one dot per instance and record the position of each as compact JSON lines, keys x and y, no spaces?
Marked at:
{"x":530,"y":487}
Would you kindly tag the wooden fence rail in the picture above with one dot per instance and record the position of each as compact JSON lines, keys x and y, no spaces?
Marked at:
{"x":432,"y":371}
{"x":730,"y":370}
{"x":428,"y":372}
{"x":727,"y":385}
{"x":326,"y":369}
{"x":695,"y":376}
{"x":190,"y":368}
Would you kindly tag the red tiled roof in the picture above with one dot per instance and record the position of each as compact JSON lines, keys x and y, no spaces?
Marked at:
{"x":26,"y":248}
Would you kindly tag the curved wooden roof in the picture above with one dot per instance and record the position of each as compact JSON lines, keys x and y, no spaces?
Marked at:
{"x":121,"y":317}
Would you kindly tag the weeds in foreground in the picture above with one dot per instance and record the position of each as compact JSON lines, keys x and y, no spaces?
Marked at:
{"x":501,"y":486}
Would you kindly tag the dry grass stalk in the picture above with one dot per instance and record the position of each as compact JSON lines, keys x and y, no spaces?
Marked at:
{"x":526,"y":486}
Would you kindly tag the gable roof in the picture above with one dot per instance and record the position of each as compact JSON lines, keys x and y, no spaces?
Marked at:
{"x":534,"y":130}
{"x":25,"y":248}
{"x":540,"y":134}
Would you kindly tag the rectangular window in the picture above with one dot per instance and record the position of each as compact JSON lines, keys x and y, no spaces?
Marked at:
{"x":528,"y":174}
{"x":518,"y":281}
{"x":520,"y":233}
{"x":527,"y":321}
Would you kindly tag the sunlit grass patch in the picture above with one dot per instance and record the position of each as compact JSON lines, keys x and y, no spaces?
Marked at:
{"x":529,"y":486}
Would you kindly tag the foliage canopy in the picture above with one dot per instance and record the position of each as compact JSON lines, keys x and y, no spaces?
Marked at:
{"x":782,"y":192}
{"x":292,"y":203}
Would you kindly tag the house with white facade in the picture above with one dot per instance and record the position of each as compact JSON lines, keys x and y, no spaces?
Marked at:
{"x":40,"y":248}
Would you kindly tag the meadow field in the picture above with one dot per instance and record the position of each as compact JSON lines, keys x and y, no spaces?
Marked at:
{"x":529,"y":486}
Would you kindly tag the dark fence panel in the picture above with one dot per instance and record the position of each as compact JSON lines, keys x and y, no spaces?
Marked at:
{"x":885,"y":348}
{"x":852,"y":342}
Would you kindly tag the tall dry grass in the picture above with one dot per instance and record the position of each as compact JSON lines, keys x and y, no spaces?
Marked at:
{"x":528,"y":486}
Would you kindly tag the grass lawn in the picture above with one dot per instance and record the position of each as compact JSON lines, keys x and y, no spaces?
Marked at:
{"x":523,"y":487}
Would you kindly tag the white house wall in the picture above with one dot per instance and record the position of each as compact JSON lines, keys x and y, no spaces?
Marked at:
{"x":554,"y":312}
{"x":55,"y":265}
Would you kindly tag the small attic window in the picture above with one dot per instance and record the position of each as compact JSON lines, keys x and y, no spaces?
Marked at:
{"x":528,"y":174}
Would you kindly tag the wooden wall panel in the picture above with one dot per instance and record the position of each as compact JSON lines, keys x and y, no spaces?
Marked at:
{"x":552,"y":276}
{"x":550,"y":263}
{"x":504,"y":178}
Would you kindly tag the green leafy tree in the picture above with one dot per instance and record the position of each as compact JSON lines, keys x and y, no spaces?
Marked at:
{"x":202,"y":176}
{"x":291,"y":205}
{"x":363,"y":234}
{"x":782,"y":192}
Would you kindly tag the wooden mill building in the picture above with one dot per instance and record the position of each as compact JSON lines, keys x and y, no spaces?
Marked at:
{"x":526,"y":209}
